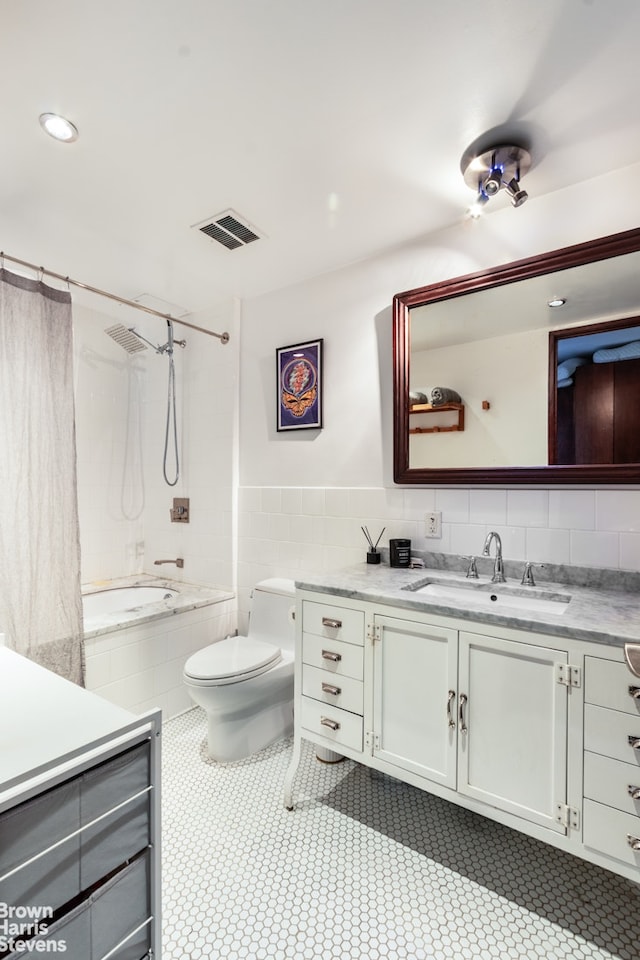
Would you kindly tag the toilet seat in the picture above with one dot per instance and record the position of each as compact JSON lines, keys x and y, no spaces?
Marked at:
{"x":230,"y":661}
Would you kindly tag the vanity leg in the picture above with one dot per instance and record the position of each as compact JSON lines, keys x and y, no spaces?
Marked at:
{"x":291,"y":772}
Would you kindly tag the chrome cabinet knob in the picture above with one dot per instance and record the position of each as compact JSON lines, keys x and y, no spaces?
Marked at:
{"x":634,"y":792}
{"x":634,"y":842}
{"x":331,"y":622}
{"x":450,"y":699}
{"x":329,"y":688}
{"x":634,"y":692}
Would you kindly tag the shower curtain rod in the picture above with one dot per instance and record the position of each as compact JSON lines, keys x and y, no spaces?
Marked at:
{"x":222,"y":337}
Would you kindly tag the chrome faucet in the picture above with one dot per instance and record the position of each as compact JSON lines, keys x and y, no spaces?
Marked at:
{"x":498,"y":569}
{"x":179,"y":562}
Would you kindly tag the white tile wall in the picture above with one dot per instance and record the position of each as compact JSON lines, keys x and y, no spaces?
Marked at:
{"x":584,"y":527}
{"x":141,"y":668}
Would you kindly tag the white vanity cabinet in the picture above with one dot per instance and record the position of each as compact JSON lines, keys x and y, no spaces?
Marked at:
{"x":440,"y":698}
{"x":539,"y":732}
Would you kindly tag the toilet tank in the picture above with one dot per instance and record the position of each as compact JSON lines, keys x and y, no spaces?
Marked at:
{"x":271,"y":615}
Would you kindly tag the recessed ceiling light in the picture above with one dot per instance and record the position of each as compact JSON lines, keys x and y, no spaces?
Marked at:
{"x":58,"y":127}
{"x":557,"y":302}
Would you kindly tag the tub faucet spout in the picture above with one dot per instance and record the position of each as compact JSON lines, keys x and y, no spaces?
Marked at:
{"x":179,"y":562}
{"x":498,"y":569}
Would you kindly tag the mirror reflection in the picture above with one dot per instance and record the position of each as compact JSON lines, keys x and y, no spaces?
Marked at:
{"x":499,"y":353}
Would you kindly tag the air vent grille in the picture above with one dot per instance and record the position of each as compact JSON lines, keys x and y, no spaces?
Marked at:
{"x":229,"y":229}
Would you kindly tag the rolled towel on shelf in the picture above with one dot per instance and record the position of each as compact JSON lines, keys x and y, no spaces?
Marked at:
{"x":418,"y":396}
{"x":442,"y":395}
{"x":628,"y":351}
{"x":565,"y":382}
{"x":568,"y":366}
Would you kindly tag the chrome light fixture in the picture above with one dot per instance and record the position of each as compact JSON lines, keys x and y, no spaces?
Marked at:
{"x":496,"y":169}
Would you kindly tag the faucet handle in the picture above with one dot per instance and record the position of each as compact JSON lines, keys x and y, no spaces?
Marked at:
{"x":527,"y":576}
{"x":472,"y":569}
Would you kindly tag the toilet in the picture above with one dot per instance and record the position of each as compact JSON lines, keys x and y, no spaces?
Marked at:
{"x":245,"y":684}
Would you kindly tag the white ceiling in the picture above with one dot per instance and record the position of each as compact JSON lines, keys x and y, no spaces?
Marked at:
{"x":336,"y":127}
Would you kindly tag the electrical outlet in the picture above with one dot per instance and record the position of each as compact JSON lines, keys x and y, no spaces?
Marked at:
{"x":433,"y":525}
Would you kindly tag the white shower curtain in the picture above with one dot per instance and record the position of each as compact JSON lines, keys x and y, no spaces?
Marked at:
{"x":40,"y":600}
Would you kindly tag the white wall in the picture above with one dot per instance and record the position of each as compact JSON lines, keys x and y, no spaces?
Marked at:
{"x":304,"y":495}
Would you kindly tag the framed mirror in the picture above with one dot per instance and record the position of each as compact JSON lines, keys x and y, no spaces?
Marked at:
{"x":492,"y":346}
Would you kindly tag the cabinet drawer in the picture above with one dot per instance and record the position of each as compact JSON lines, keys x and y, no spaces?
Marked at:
{"x":337,"y":691}
{"x":342,"y":659}
{"x":607,"y":684}
{"x":338,"y":726}
{"x":608,"y":732}
{"x":334,"y":623}
{"x":607,"y":830}
{"x":608,"y":781}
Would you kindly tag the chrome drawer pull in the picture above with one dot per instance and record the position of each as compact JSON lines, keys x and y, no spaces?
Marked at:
{"x":450,"y":699}
{"x":330,"y":655}
{"x":330,"y":622}
{"x":329,"y":688}
{"x":462,"y":727}
{"x":334,"y":725}
{"x":634,"y":792}
{"x":634,"y":742}
{"x":634,"y":692}
{"x":634,"y":842}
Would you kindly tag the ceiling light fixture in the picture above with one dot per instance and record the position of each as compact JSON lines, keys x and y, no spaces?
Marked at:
{"x":493,"y":170}
{"x":556,"y":302}
{"x":58,"y":127}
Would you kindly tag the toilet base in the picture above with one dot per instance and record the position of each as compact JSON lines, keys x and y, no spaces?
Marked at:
{"x":239,"y":735}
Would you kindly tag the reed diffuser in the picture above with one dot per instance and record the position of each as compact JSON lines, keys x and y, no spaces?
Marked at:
{"x":372,"y":554}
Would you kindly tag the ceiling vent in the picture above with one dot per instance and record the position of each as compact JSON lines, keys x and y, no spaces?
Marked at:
{"x":229,"y":229}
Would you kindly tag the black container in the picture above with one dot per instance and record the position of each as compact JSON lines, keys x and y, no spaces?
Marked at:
{"x":373,"y":556}
{"x":399,"y":553}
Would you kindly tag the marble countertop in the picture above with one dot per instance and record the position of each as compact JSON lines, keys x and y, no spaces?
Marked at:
{"x":597,"y":613}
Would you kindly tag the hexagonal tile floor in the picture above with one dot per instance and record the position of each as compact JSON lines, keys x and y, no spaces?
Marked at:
{"x":364,"y":867}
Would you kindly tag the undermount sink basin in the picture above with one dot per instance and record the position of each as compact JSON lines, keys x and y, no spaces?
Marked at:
{"x":495,"y":596}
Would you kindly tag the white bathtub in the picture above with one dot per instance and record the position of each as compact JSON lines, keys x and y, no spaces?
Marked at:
{"x":125,"y":599}
{"x":138,"y":633}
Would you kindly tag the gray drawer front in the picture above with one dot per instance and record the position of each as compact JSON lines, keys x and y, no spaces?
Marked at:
{"x":124,"y":833}
{"x":28,"y":829}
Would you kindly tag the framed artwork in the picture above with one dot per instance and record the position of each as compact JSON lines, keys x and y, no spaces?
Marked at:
{"x":300,"y":386}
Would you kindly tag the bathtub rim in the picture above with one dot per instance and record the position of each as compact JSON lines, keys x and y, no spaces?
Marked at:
{"x":191,"y":596}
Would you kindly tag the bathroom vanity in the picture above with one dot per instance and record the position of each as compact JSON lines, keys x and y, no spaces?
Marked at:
{"x":515,"y":702}
{"x":79,"y":820}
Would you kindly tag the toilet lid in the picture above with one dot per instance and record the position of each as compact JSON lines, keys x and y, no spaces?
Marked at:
{"x":233,"y":658}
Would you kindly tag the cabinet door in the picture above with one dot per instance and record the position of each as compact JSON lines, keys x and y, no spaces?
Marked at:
{"x":512,"y":746}
{"x":414,"y":698}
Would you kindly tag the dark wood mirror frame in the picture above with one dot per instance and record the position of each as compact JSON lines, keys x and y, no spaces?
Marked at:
{"x":601,"y":249}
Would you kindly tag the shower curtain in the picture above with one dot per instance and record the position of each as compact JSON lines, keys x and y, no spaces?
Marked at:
{"x":40,"y":599}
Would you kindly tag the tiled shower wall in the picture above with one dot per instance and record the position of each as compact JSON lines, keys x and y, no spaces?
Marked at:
{"x":283,"y":531}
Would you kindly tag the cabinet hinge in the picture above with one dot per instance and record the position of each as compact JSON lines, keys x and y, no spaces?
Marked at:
{"x":372,"y":740}
{"x":569,"y":817}
{"x":568,"y":675}
{"x":374,"y":632}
